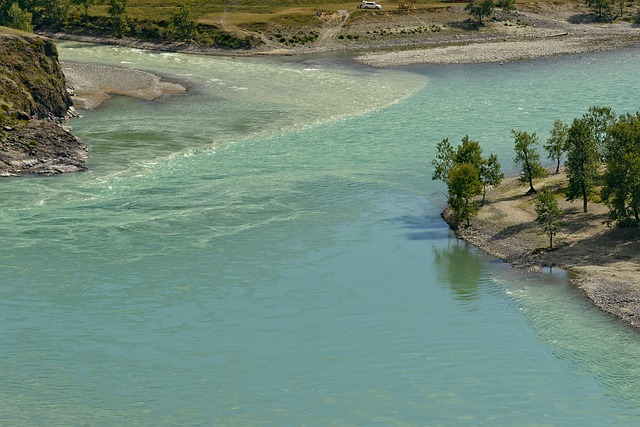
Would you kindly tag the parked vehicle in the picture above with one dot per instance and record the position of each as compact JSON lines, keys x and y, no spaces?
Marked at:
{"x":369,"y":5}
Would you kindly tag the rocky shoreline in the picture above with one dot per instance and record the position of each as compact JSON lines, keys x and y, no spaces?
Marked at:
{"x":604,"y":262}
{"x":34,"y":103}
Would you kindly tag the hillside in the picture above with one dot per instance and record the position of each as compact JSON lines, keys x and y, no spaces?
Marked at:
{"x":33,"y":102}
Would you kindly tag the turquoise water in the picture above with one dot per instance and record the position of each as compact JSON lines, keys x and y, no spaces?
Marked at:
{"x":267,"y":250}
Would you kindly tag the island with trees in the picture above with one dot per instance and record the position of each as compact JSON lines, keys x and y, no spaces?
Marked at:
{"x":532,"y":220}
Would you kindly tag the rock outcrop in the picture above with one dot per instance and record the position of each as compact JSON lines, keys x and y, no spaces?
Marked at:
{"x":33,"y":103}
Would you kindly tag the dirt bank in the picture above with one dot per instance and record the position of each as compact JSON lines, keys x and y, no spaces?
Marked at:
{"x":605,"y":261}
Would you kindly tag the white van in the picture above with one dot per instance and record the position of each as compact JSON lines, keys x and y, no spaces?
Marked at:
{"x":369,"y":5}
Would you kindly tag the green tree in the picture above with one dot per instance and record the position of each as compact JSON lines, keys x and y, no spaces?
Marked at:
{"x":85,"y":4}
{"x":490,"y":174}
{"x":18,"y":18}
{"x":443,"y":161}
{"x":620,"y":4}
{"x":464,"y":184}
{"x":548,"y":214}
{"x":118,"y":12}
{"x":582,"y":161}
{"x":599,"y":119}
{"x":557,"y":143}
{"x":528,"y":158}
{"x":600,"y":7}
{"x":621,"y":189}
{"x":183,"y":24}
{"x":480,"y":9}
{"x":508,"y":6}
{"x":469,"y":151}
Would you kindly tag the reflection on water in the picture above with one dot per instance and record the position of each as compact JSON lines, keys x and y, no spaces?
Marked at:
{"x":459,"y":267}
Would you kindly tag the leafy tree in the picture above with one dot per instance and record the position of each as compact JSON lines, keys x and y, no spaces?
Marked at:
{"x":18,"y":18}
{"x":443,"y":161}
{"x":599,"y":7}
{"x":582,"y":161}
{"x":557,"y":143}
{"x":508,"y":6}
{"x":183,"y":24}
{"x":599,"y":119}
{"x":490,"y":174}
{"x":548,"y":214}
{"x":47,"y":13}
{"x":621,"y":190}
{"x":118,"y":12}
{"x":620,"y":4}
{"x":469,"y":151}
{"x":480,"y":9}
{"x":528,"y":158}
{"x":464,"y":184}
{"x":85,"y":4}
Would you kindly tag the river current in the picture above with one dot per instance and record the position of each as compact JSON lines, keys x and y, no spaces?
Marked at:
{"x":267,"y":250}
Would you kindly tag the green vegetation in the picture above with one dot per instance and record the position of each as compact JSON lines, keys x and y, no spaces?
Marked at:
{"x":480,"y":9}
{"x":528,"y":158}
{"x":582,"y":161}
{"x":557,"y":143}
{"x":467,"y":175}
{"x":621,"y":190}
{"x":548,"y":213}
{"x":156,"y":22}
{"x":602,"y":164}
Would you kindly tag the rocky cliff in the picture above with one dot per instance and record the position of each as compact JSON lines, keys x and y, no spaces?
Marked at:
{"x":33,"y":103}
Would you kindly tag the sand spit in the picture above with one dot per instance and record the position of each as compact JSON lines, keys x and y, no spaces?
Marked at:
{"x":93,"y":84}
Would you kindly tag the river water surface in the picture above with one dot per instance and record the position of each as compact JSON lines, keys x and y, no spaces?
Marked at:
{"x":267,"y":250}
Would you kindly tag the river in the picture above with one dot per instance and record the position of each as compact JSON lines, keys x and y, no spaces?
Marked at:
{"x":267,"y":250}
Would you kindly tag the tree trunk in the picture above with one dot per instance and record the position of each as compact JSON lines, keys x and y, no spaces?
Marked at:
{"x":584,"y":199}
{"x":558,"y":166}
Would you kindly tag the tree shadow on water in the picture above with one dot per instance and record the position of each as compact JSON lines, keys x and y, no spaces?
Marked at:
{"x":424,"y":227}
{"x":459,"y":268}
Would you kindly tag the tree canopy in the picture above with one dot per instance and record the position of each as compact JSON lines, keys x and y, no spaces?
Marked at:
{"x":464,"y":183}
{"x":556,"y":145}
{"x":582,"y":161}
{"x":621,"y":190}
{"x":480,"y":9}
{"x":548,"y":214}
{"x":528,"y":158}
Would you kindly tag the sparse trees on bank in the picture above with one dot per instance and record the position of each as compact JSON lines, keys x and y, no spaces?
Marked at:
{"x":548,"y":214}
{"x":528,"y":158}
{"x":602,"y":157}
